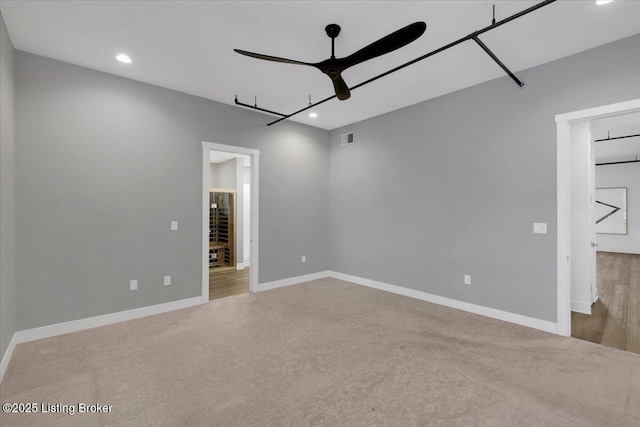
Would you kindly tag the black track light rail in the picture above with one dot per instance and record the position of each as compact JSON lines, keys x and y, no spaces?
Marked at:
{"x":619,"y":163}
{"x":473,"y":36}
{"x":495,"y":58}
{"x":617,"y":137}
{"x":255,"y":107}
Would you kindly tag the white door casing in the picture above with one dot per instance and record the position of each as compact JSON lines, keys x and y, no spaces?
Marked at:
{"x":592,"y":220}
{"x":563,"y":260}
{"x":254,"y":220}
{"x":581,"y":217}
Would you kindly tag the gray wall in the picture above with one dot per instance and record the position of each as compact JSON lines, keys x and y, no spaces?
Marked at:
{"x":105,"y":163}
{"x":622,"y":175}
{"x":7,"y":192}
{"x":223,"y":175}
{"x":625,"y":175}
{"x":452,"y":186}
{"x":428,"y":193}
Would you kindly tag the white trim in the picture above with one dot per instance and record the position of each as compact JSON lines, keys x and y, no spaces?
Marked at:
{"x":563,"y":309}
{"x":563,"y":260}
{"x":599,"y":112}
{"x":581,"y":307}
{"x":108,"y":319}
{"x":254,"y":218}
{"x":519,"y":319}
{"x":105,"y":319}
{"x":254,"y":222}
{"x":633,"y":251}
{"x":593,"y":264}
{"x":240,"y":266}
{"x":493,"y":313}
{"x":292,"y":281}
{"x":229,"y":149}
{"x":7,"y":355}
{"x":206,"y":182}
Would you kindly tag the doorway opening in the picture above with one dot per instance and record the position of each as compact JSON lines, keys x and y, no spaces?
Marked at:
{"x":576,"y":209}
{"x":230,"y":220}
{"x":227,"y":276}
{"x":609,"y":312}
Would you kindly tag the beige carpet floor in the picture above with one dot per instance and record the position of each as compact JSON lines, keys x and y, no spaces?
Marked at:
{"x":323,"y":353}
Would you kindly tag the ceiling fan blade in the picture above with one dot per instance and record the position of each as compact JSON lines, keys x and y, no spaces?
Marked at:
{"x":387,"y":44}
{"x":341,"y":88}
{"x":270,"y":58}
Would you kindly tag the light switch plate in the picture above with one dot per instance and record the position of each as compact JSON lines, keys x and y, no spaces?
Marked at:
{"x":133,"y":285}
{"x":167,"y":280}
{"x":467,"y":279}
{"x":540,"y":227}
{"x":174,"y":225}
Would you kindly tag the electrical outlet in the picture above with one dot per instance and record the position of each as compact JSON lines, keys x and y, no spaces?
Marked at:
{"x":133,"y":285}
{"x":540,"y":227}
{"x":174,"y":225}
{"x":467,"y":279}
{"x":304,"y":259}
{"x":167,"y":280}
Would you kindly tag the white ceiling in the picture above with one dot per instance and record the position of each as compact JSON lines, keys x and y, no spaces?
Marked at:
{"x":188,"y":45}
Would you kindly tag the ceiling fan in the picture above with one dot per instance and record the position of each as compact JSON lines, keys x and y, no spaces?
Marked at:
{"x":333,"y":67}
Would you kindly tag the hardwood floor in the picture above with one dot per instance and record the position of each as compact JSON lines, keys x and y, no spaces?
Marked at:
{"x":615,"y":317}
{"x":224,"y":282}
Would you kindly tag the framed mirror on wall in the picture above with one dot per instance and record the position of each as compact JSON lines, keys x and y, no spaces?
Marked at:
{"x":611,"y":210}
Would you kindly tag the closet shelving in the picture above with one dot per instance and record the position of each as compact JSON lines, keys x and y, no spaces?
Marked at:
{"x":221,"y":229}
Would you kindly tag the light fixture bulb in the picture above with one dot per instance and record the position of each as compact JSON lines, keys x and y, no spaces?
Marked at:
{"x":124,"y":58}
{"x":601,"y":2}
{"x":313,"y":115}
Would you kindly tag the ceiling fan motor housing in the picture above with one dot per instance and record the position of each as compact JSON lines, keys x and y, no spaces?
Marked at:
{"x":333,"y":30}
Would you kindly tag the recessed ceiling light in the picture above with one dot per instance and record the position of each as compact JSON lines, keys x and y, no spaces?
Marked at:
{"x":601,"y":2}
{"x":313,"y":115}
{"x":124,"y":58}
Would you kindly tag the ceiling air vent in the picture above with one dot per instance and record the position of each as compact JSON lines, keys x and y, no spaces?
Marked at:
{"x":347,"y":138}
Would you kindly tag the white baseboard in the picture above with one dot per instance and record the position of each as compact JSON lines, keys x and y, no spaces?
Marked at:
{"x":240,"y":266}
{"x":581,"y":307}
{"x":105,"y":319}
{"x":519,"y":319}
{"x":634,"y":251}
{"x":7,"y":356}
{"x":292,"y":281}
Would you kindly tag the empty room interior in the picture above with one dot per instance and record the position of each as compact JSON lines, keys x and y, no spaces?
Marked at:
{"x":198,"y":227}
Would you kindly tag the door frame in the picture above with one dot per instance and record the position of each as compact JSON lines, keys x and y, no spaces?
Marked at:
{"x":563,"y":140}
{"x":253,"y":220}
{"x":592,"y":230}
